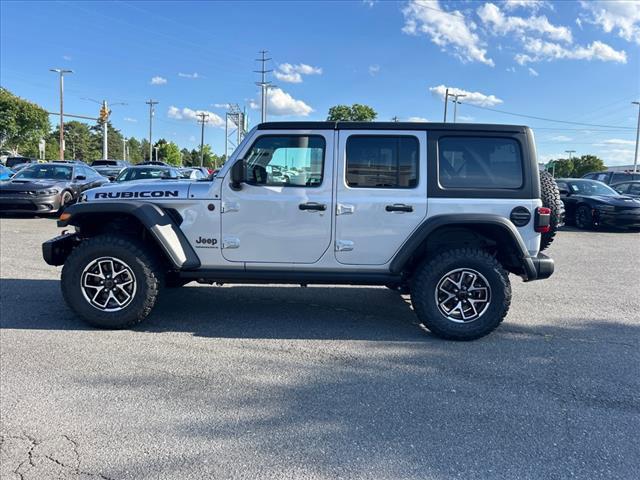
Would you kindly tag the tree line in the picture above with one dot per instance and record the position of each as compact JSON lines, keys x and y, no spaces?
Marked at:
{"x":23,"y":124}
{"x":575,"y":167}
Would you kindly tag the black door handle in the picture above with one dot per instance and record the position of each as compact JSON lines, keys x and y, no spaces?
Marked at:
{"x":312,"y":206}
{"x":399,"y":207}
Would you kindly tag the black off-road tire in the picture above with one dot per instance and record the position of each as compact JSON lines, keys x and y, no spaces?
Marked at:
{"x":550,"y":196}
{"x":431,"y":272}
{"x":146,"y":269}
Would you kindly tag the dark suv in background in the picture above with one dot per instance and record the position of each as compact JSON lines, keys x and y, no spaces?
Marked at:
{"x":612,"y":177}
{"x":110,"y":168}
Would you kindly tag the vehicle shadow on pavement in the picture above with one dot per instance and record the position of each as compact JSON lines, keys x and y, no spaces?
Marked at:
{"x":573,"y":229}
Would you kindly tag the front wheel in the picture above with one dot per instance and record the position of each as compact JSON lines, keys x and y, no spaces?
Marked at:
{"x":584,"y":218}
{"x":111,"y":281}
{"x":461,"y":294}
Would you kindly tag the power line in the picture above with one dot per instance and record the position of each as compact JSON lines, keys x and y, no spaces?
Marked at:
{"x":568,"y":122}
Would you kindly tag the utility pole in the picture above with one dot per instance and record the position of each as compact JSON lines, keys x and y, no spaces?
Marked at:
{"x":61,"y":72}
{"x":446,"y":102}
{"x":156,"y":150}
{"x":104,"y":116}
{"x":151,"y":104}
{"x":455,"y":105}
{"x":263,"y":84}
{"x":203,"y":117}
{"x":395,"y":119}
{"x":635,"y":158}
{"x":124,"y":148}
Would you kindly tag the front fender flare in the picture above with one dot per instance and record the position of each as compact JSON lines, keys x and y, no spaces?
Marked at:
{"x":158,"y":223}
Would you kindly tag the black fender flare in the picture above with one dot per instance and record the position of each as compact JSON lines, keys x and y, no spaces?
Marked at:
{"x":431,"y":224}
{"x":157,"y":221}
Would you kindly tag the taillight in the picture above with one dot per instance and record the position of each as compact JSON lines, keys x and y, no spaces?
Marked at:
{"x":543,"y":220}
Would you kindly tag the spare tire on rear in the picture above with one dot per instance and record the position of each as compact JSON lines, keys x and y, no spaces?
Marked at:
{"x":550,"y":196}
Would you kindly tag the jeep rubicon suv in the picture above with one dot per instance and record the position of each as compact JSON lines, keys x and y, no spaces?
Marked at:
{"x":441,"y":211}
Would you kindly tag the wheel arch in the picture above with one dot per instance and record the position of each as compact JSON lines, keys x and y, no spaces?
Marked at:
{"x":443,"y":232}
{"x":150,"y":221}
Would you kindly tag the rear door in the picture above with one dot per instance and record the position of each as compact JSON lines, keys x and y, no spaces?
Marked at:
{"x":381,"y":193}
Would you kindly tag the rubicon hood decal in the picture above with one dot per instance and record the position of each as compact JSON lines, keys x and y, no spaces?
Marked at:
{"x":142,"y":194}
{"x":140,"y":190}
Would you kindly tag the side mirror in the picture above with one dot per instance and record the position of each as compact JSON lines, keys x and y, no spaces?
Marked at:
{"x":237,"y":175}
{"x":80,"y":177}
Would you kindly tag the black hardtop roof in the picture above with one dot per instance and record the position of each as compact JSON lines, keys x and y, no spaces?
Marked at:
{"x":480,"y":127}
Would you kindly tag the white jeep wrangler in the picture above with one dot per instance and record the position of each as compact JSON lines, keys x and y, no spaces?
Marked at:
{"x":441,"y":211}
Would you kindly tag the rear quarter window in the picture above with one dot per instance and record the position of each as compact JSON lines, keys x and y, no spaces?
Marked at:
{"x":479,"y":163}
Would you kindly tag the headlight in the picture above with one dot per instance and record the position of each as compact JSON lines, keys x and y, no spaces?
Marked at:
{"x":52,"y":191}
{"x":605,"y":208}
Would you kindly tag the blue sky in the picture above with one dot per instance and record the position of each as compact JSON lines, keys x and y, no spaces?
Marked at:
{"x":571,"y":61}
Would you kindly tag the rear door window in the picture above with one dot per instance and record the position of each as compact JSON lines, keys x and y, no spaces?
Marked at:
{"x":479,"y":162}
{"x":376,"y":161}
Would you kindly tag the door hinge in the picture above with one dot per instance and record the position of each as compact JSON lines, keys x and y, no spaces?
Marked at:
{"x":345,"y":209}
{"x":229,"y":207}
{"x":230,"y":242}
{"x":344,"y":245}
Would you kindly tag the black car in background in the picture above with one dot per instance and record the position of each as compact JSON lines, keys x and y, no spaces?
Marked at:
{"x":109,"y":168}
{"x":148,"y":172}
{"x":47,"y":187}
{"x":589,"y":204}
{"x":631,"y":188}
{"x":612,"y":177}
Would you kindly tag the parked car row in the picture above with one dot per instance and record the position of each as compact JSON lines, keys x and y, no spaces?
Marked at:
{"x":590,"y":204}
{"x":45,"y":188}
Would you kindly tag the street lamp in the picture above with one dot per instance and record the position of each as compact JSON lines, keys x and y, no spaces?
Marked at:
{"x":61,"y":72}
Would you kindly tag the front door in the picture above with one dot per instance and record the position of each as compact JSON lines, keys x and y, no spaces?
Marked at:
{"x":381,"y":193}
{"x":282,"y":213}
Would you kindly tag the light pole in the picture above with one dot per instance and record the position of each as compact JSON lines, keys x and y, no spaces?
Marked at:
{"x":156,"y":150}
{"x":446,"y":102}
{"x":124,"y":148}
{"x":61,"y":72}
{"x":455,"y":105}
{"x":151,"y":104}
{"x":570,"y":152}
{"x":635,"y":158}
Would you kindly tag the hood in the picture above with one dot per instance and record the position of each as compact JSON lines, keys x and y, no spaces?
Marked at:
{"x":22,"y":184}
{"x":616,"y":200}
{"x":141,"y":190}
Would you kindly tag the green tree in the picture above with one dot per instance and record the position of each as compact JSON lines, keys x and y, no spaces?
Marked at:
{"x":114,"y":142}
{"x":134,"y":151}
{"x":170,"y":153}
{"x":353,"y":113}
{"x":586,"y":164}
{"x":144,"y":149}
{"x":562,"y":168}
{"x":22,"y":123}
{"x":186,"y":157}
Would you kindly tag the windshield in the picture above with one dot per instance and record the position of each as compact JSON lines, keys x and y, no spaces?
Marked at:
{"x":150,"y":173}
{"x":44,"y":171}
{"x":591,"y":187}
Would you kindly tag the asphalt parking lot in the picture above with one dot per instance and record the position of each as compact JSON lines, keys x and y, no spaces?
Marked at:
{"x":323,"y":382}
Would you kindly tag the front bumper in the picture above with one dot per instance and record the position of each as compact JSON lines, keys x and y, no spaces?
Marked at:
{"x":31,"y":204}
{"x":617,"y":219}
{"x":56,"y":250}
{"x":538,"y":267}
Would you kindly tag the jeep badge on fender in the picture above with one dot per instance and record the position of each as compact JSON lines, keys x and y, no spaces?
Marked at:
{"x":326,"y":203}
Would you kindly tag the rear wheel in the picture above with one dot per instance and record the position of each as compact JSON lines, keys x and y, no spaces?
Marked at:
{"x":550,"y":196}
{"x":461,"y":294}
{"x":584,"y":218}
{"x":111,"y":281}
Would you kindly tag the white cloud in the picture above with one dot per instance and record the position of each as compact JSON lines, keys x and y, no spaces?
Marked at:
{"x":450,"y":30}
{"x":534,"y":5}
{"x":374,"y":70}
{"x":417,"y":119}
{"x":177,"y":113}
{"x":473,"y":98}
{"x":280,"y":103}
{"x":192,"y":76}
{"x":466,"y":118}
{"x":533,"y":72}
{"x":561,"y":138}
{"x":289,"y":73}
{"x":157,"y":80}
{"x":510,"y":69}
{"x":67,"y":58}
{"x":618,"y":156}
{"x":539,"y":50}
{"x":623,"y":17}
{"x":130,"y":120}
{"x":369,"y":3}
{"x":619,"y":141}
{"x":501,"y":24}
